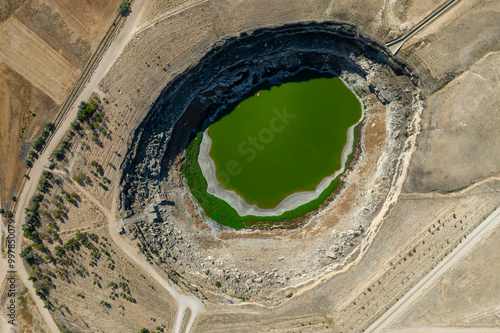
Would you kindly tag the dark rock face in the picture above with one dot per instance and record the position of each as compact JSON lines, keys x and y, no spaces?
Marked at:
{"x":236,"y":69}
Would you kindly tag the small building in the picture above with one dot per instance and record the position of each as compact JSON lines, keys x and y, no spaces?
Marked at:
{"x":120,"y":230}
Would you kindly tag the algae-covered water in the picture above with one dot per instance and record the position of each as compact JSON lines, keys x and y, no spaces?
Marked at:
{"x":283,"y":140}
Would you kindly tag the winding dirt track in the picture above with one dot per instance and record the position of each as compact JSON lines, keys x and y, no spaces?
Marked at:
{"x":36,"y":171}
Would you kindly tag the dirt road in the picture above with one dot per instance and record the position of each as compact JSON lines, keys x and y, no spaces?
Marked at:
{"x":395,"y":45}
{"x":35,"y":173}
{"x":483,"y":230}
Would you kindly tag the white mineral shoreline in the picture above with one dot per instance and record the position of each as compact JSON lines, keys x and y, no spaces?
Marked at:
{"x":292,"y":201}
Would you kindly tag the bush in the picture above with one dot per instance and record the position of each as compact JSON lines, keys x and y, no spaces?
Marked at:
{"x":49,"y":126}
{"x":80,"y":178}
{"x":124,"y":7}
{"x":86,"y":110}
{"x":58,"y":154}
{"x":28,"y":163}
{"x":8,"y":214}
{"x":27,"y":254}
{"x":217,"y":284}
{"x":47,"y":174}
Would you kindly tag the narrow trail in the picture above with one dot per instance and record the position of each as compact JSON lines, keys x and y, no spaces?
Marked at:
{"x":184,"y":302}
{"x":458,"y":193}
{"x":35,"y":173}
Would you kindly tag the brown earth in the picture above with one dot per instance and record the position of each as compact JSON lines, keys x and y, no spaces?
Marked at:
{"x":45,"y":44}
{"x":23,"y":109}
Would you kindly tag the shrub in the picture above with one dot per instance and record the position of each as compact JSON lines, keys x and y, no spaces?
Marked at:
{"x":217,"y":284}
{"x":94,"y":164}
{"x":27,"y":254}
{"x":75,"y":125}
{"x":49,"y":126}
{"x":47,"y":174}
{"x":80,"y":178}
{"x":124,"y":7}
{"x":58,"y":154}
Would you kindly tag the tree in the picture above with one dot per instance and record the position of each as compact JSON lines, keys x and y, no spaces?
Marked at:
{"x":75,"y":125}
{"x":27,"y":254}
{"x":58,"y":154}
{"x":43,"y":185}
{"x":8,"y":214}
{"x":49,"y":126}
{"x":13,"y":198}
{"x":38,"y":143}
{"x":217,"y":284}
{"x":124,"y":7}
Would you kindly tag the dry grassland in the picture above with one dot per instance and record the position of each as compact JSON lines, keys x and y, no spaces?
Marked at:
{"x":28,"y":319}
{"x":90,"y":19}
{"x":23,"y":109}
{"x":81,"y":292}
{"x":30,"y":56}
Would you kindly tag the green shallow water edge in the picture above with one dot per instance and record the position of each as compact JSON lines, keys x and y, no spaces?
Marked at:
{"x":222,"y":213}
{"x":283,"y":140}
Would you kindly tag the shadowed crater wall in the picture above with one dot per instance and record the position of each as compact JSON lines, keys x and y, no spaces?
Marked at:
{"x":233,"y":70}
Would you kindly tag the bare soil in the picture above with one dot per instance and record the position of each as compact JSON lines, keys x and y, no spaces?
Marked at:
{"x":23,"y":110}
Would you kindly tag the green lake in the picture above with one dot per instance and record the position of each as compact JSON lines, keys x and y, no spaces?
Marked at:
{"x":283,"y":140}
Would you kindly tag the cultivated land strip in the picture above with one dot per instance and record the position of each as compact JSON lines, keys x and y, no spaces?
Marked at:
{"x":29,"y":55}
